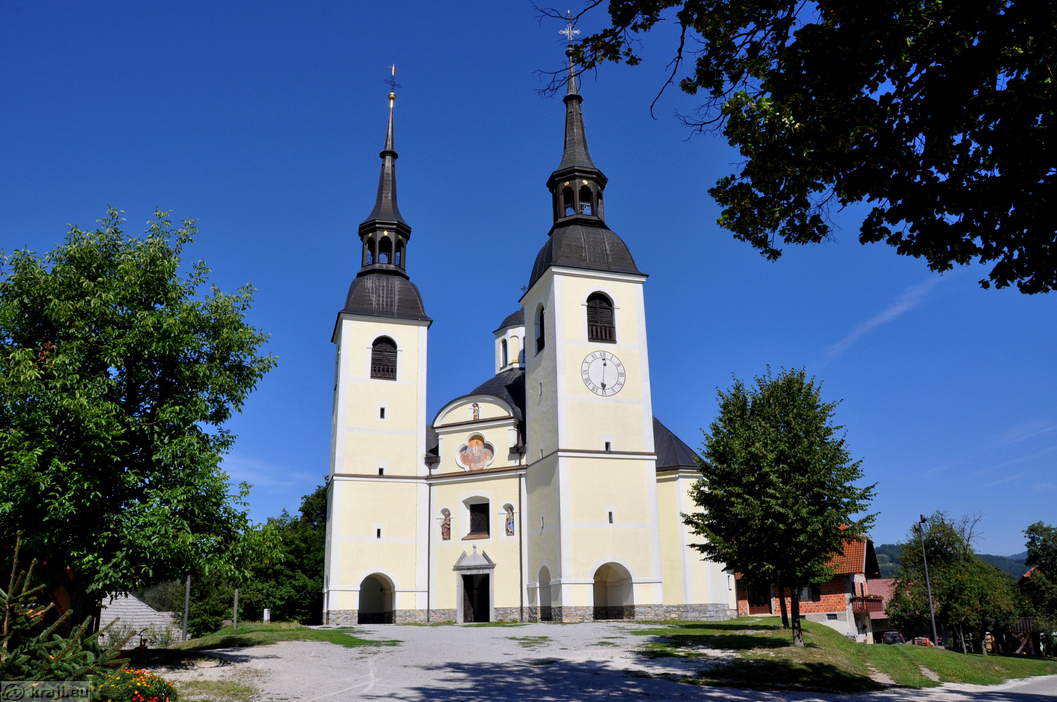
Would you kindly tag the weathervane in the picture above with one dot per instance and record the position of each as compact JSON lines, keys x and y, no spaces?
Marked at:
{"x":570,"y":30}
{"x":391,"y":80}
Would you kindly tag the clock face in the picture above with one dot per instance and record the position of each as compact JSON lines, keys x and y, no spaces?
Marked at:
{"x":603,"y":373}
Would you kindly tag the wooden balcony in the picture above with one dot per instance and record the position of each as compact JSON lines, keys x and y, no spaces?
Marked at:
{"x":867,"y":604}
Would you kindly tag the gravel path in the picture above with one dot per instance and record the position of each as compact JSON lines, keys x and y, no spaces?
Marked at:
{"x":534,"y":662}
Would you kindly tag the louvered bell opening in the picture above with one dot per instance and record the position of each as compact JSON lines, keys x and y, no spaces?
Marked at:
{"x":383,"y":359}
{"x":600,"y":325}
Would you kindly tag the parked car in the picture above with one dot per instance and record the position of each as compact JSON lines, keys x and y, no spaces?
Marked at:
{"x":923,"y":641}
{"x":893,"y":637}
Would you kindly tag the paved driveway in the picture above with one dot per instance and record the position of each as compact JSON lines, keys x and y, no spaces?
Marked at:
{"x":533,"y":662}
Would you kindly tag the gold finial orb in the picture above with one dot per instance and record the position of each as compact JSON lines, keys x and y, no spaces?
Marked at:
{"x":392,"y":96}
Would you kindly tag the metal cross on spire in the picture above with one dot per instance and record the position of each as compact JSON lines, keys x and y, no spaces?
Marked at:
{"x":391,"y":80}
{"x":570,"y":31}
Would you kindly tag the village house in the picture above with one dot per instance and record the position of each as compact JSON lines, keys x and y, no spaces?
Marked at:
{"x":844,"y":602}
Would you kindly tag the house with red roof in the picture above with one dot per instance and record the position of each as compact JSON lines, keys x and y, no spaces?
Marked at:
{"x":844,"y":602}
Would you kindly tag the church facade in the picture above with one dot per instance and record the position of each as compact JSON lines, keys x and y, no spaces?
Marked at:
{"x":548,"y":492}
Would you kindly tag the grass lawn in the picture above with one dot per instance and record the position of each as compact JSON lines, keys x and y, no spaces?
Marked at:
{"x":766,"y":659}
{"x":259,"y":634}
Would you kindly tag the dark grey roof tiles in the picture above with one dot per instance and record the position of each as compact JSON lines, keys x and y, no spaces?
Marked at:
{"x":581,"y":246}
{"x":671,"y":451}
{"x":385,"y":295}
{"x":514,"y":319}
{"x":508,"y":386}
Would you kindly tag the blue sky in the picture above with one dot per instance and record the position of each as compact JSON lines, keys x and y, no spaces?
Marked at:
{"x":263,"y":121}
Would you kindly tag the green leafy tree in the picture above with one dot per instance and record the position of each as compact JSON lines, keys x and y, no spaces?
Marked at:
{"x":940,"y":116}
{"x":117,"y":377}
{"x":290,"y":582}
{"x":1040,"y":587}
{"x":777,"y":492}
{"x":970,"y":596}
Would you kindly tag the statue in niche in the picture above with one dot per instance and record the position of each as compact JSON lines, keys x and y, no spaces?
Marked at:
{"x":476,"y":454}
{"x":509,"y":520}
{"x":476,"y":411}
{"x":445,"y":525}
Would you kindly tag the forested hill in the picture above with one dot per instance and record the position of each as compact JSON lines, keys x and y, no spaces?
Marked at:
{"x":888,"y":559}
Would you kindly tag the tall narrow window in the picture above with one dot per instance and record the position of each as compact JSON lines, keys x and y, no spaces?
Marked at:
{"x":479,"y":525}
{"x":600,"y":318}
{"x":568,"y":206}
{"x":383,"y":358}
{"x":585,"y":201}
{"x":385,"y":250}
{"x":541,"y":332}
{"x":505,"y":356}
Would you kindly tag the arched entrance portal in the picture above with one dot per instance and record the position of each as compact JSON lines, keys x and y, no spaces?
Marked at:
{"x":376,"y":600}
{"x":613,"y":593}
{"x":544,"y":590}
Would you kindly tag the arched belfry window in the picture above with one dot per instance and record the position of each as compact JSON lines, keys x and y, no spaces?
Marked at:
{"x":383,"y":358}
{"x":600,"y":325}
{"x":399,"y":260}
{"x":541,"y":331}
{"x":372,"y":256}
{"x":505,"y":354}
{"x":385,"y":250}
{"x":568,"y":206}
{"x":586,"y":200}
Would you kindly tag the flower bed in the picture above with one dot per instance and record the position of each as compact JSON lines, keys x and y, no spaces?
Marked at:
{"x":135,"y":685}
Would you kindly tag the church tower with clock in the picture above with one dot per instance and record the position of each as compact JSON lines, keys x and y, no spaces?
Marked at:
{"x":590,"y":418}
{"x":547,"y":492}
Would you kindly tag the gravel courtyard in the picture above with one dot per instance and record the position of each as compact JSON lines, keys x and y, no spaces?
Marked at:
{"x":593,"y":661}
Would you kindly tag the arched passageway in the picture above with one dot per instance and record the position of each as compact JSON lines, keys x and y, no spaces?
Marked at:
{"x":376,"y":600}
{"x":544,"y":590}
{"x":613,"y":593}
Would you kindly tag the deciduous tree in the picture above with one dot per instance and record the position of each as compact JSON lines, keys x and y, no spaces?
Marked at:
{"x":939,"y":116}
{"x":117,"y":377}
{"x":777,"y":493}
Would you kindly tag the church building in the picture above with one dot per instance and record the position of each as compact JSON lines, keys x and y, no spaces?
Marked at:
{"x":549,"y":491}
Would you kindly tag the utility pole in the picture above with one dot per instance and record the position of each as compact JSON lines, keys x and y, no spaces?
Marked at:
{"x":187,"y":603}
{"x":235,"y":611}
{"x":928,"y":584}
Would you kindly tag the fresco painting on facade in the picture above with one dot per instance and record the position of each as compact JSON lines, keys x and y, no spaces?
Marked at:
{"x":604,"y":479}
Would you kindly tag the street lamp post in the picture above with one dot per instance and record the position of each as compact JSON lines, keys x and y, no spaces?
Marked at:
{"x":928,"y":585}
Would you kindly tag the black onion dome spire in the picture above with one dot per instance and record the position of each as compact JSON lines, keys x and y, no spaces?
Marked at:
{"x":579,"y":237}
{"x":575,"y":154}
{"x":382,"y":288}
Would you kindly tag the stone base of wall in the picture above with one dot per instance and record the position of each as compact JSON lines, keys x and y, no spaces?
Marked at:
{"x":711,"y":612}
{"x":506,"y":614}
{"x":703,"y":612}
{"x":700,"y":612}
{"x":441,"y":615}
{"x":340,"y":617}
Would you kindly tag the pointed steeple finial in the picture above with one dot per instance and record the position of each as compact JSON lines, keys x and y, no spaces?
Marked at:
{"x":385,"y":208}
{"x":384,"y":233}
{"x":575,"y":152}
{"x":577,"y":184}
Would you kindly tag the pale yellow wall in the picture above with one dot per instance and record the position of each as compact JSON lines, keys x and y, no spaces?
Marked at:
{"x":587,"y":420}
{"x":541,"y":390}
{"x":502,"y":549}
{"x":544,"y":537}
{"x":462,"y":411}
{"x":591,"y":487}
{"x":363,"y":440}
{"x":360,"y":507}
{"x":514,"y":337}
{"x":673,"y":558}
